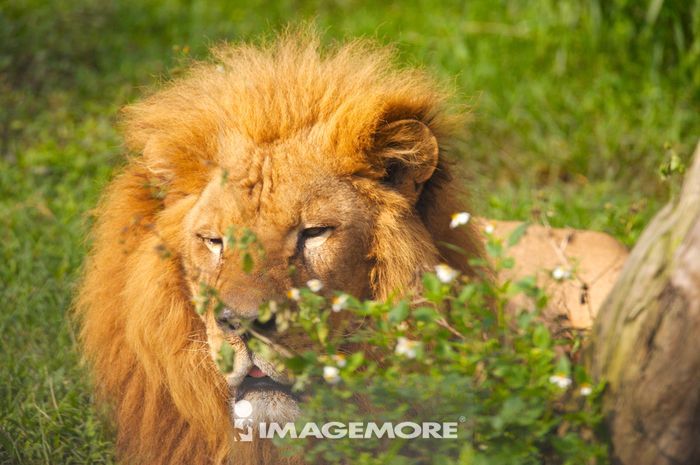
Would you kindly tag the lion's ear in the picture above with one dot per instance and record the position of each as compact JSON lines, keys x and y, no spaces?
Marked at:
{"x":408,"y":151}
{"x":159,"y":166}
{"x":173,"y":172}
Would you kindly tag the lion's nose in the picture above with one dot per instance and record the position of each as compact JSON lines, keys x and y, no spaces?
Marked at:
{"x":229,"y":321}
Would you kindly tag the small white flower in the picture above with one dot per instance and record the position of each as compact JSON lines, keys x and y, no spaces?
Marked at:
{"x":586,"y":390}
{"x":560,"y":380}
{"x":331,"y":374}
{"x":406,"y":347}
{"x":293,"y":293}
{"x":489,"y":229}
{"x":243,"y":408}
{"x":314,"y":284}
{"x":339,"y":360}
{"x":459,"y":219}
{"x":445,"y":273}
{"x":339,"y":302}
{"x":560,"y":274}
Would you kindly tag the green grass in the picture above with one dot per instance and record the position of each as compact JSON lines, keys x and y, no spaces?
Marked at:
{"x":575,"y":106}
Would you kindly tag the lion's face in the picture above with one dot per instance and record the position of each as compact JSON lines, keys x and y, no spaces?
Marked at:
{"x":312,"y":217}
{"x":308,"y":223}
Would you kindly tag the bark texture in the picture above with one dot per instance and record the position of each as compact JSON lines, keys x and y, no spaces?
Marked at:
{"x":646,"y":340}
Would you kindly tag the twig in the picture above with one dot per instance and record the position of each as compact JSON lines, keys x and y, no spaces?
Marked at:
{"x":442,"y":322}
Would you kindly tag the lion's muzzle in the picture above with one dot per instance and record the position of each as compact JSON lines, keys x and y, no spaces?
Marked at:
{"x":227,"y":328}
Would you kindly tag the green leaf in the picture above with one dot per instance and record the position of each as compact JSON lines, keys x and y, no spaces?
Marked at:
{"x":541,"y":337}
{"x":264,"y":313}
{"x":247,"y":262}
{"x":297,"y":363}
{"x":426,"y":314}
{"x":512,"y":409}
{"x":454,"y":248}
{"x":225,"y":360}
{"x":399,"y":313}
{"x":431,"y":283}
{"x":466,"y":293}
{"x":322,"y":331}
{"x":525,"y":319}
{"x":517,"y":234}
{"x":494,"y":249}
{"x":563,"y":366}
{"x":466,"y":454}
{"x":528,"y":286}
{"x":354,"y":361}
{"x":230,"y":236}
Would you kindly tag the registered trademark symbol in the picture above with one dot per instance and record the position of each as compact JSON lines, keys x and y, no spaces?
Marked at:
{"x":462,"y":419}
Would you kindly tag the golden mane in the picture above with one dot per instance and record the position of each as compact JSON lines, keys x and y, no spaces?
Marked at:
{"x":145,"y":344}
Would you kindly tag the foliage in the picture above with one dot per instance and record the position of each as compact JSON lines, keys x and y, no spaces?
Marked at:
{"x":454,"y":354}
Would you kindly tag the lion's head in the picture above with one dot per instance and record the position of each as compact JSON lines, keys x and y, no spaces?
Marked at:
{"x":331,"y":165}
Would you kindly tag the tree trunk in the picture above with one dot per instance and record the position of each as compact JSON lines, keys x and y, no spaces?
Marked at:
{"x":646,"y":340}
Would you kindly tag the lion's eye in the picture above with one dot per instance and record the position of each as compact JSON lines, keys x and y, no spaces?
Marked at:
{"x":214,"y":244}
{"x":313,"y":237}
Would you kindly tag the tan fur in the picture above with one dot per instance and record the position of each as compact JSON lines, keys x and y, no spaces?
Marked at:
{"x":594,"y":259}
{"x":327,"y":114}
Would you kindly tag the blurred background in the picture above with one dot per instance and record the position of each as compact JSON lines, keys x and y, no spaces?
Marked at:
{"x":583,"y":115}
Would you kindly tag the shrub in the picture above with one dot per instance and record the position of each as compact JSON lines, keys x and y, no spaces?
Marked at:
{"x":453,"y":354}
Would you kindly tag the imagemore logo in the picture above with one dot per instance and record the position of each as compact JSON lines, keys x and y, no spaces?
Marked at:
{"x":243,"y":429}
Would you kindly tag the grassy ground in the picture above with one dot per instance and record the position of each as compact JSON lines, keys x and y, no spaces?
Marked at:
{"x":576,"y":105}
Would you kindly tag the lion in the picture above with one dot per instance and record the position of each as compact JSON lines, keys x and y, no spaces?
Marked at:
{"x":336,"y":160}
{"x":588,"y":263}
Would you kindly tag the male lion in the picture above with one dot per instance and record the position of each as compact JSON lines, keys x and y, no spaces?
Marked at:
{"x":337,"y":162}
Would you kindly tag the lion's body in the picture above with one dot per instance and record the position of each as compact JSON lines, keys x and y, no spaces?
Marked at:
{"x":139,"y":332}
{"x":262,"y":126}
{"x":593,"y":260}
